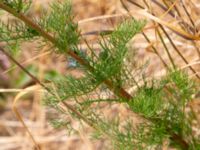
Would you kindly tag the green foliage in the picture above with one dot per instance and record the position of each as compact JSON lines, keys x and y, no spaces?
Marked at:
{"x":124,"y":33}
{"x":105,"y":67}
{"x":14,"y":31}
{"x":148,"y":101}
{"x":165,"y":106}
{"x":160,"y":103}
{"x":70,"y":87}
{"x":111,"y":60}
{"x":21,"y":6}
{"x":182,"y":87}
{"x":60,"y":23}
{"x":59,"y":123}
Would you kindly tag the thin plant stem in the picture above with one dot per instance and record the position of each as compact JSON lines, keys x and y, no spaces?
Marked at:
{"x":193,"y":24}
{"x":178,"y":51}
{"x":183,"y":24}
{"x":146,"y":37}
{"x":166,"y":48}
{"x":22,"y":68}
{"x":155,"y":50}
{"x":187,"y":13}
{"x":175,"y":47}
{"x":79,"y":115}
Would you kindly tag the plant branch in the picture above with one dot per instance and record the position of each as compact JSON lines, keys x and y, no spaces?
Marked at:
{"x":120,"y":92}
{"x":22,"y":68}
{"x":71,"y":108}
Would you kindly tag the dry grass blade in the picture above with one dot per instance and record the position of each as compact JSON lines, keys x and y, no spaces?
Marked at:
{"x":178,"y":31}
{"x":191,"y":64}
{"x":27,"y":61}
{"x":12,"y":90}
{"x":19,"y":116}
{"x":169,"y":9}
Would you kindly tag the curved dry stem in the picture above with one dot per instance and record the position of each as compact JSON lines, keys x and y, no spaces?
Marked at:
{"x":176,"y":30}
{"x":19,"y":116}
{"x":169,"y":9}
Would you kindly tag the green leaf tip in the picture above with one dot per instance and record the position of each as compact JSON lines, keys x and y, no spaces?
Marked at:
{"x":21,"y":6}
{"x":126,"y":30}
{"x":148,"y":101}
{"x":60,"y":23}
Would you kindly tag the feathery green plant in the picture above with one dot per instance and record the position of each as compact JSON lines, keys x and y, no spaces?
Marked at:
{"x":160,"y":104}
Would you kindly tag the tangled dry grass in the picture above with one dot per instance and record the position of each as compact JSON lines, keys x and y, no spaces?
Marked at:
{"x":95,"y":15}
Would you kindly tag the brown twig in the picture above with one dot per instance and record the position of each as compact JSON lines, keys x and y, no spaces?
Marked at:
{"x":166,"y":48}
{"x":21,"y":67}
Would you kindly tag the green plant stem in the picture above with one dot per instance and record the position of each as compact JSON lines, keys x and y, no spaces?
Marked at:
{"x":29,"y":23}
{"x":120,"y":91}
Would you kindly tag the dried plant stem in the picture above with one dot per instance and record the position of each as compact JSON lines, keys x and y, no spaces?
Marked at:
{"x":19,"y":117}
{"x":155,"y":50}
{"x":145,"y":36}
{"x":178,"y":51}
{"x":21,"y":67}
{"x":183,"y":24}
{"x":166,"y":48}
{"x":188,"y":15}
{"x":172,"y":43}
{"x":193,"y":24}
